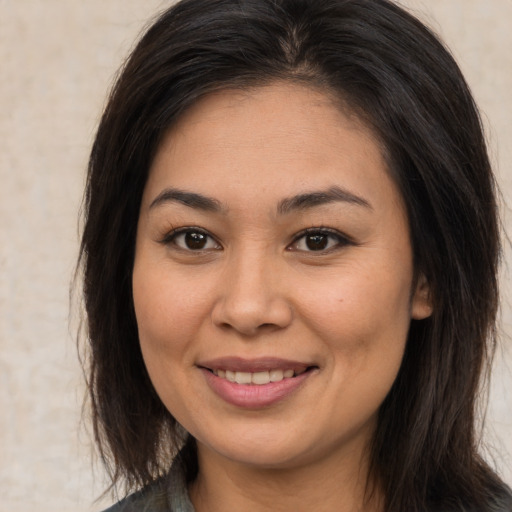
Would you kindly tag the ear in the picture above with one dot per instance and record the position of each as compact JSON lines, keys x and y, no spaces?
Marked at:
{"x":421,"y":304}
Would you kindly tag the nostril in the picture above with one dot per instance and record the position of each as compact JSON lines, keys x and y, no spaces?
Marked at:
{"x":250,"y":314}
{"x":249,"y":330}
{"x":267,"y":326}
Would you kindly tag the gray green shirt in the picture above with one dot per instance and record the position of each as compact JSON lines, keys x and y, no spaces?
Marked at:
{"x":168,"y":494}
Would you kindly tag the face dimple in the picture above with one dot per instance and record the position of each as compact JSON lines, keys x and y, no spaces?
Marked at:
{"x":290,"y":243}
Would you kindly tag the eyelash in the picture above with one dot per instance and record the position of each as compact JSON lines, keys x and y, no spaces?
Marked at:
{"x":340,"y":239}
{"x":170,"y":238}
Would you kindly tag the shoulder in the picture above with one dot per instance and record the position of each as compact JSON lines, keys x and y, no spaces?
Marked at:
{"x":150,"y":499}
{"x":501,"y":500}
{"x":168,"y":494}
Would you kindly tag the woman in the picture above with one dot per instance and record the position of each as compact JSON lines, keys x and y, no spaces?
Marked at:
{"x":290,"y":257}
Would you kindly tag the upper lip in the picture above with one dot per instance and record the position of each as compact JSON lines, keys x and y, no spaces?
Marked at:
{"x":238,"y":364}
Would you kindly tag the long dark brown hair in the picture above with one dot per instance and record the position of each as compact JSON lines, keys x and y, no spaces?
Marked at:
{"x":400,"y":80}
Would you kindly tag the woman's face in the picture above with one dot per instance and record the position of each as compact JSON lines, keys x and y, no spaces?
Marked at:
{"x":273,"y":251}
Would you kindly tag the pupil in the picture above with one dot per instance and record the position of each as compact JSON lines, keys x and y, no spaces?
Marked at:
{"x":316,"y":242}
{"x":195,"y":240}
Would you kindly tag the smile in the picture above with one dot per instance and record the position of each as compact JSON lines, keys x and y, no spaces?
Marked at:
{"x":257,"y":378}
{"x":255,"y":384}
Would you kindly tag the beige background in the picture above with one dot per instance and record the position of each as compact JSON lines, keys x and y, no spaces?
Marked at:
{"x":57,"y":60}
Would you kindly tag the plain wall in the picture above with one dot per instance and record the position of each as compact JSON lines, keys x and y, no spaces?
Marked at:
{"x":57,"y":61}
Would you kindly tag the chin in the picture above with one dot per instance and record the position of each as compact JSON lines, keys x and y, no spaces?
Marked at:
{"x":264,"y":451}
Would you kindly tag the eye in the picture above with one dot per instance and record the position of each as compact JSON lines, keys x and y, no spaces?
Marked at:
{"x":318,"y":240}
{"x":192,"y":239}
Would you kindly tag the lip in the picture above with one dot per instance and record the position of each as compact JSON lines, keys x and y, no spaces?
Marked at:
{"x":238,"y":364}
{"x":250,"y":396}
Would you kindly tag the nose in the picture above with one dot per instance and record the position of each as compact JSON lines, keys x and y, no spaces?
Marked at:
{"x":251,"y":297}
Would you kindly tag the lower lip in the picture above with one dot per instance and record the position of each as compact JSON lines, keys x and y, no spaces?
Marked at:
{"x":254,"y":396}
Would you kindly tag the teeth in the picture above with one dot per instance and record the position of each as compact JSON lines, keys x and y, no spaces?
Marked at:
{"x":276,"y":375}
{"x":260,"y":378}
{"x":243,"y":378}
{"x":257,"y":378}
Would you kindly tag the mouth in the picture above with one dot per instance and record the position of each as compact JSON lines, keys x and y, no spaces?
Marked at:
{"x":259,"y":378}
{"x":255,"y":383}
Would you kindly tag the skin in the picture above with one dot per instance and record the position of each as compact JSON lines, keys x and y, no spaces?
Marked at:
{"x":256,"y":289}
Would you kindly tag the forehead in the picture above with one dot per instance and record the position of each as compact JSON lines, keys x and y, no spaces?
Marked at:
{"x":284,"y":108}
{"x":268,"y":138}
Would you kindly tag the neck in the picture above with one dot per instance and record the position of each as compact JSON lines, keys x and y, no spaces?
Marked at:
{"x":337,"y":483}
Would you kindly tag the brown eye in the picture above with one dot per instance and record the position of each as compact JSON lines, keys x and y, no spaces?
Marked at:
{"x":193,"y":240}
{"x":317,"y":242}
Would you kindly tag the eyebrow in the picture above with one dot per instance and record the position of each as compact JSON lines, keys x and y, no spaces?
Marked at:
{"x":298,"y":202}
{"x":321,"y":197}
{"x":191,"y":199}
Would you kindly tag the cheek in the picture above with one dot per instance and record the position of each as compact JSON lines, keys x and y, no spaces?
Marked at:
{"x":164,"y":326}
{"x":363,"y":318}
{"x":166,"y":309}
{"x":364,"y":325}
{"x":172,"y":312}
{"x":156,"y":313}
{"x":360,"y":299}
